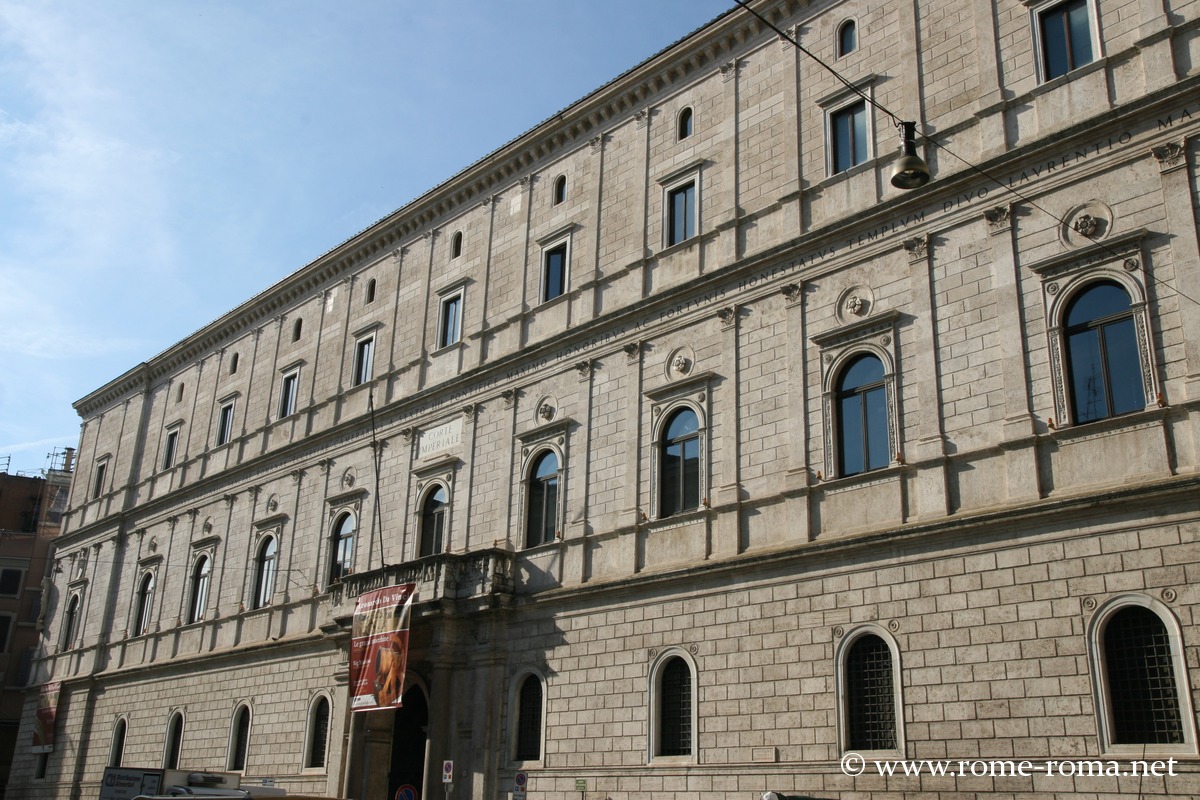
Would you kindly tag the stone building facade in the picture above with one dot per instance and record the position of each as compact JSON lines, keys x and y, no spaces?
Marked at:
{"x":716,"y":459}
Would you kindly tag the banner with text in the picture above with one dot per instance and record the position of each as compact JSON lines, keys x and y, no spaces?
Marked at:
{"x":379,"y":647}
{"x":47,"y":716}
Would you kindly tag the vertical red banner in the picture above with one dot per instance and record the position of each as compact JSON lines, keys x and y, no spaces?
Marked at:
{"x":379,"y":647}
{"x":47,"y":716}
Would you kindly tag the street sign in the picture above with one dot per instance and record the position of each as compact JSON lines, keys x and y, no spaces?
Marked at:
{"x":581,"y":784}
{"x":520,"y":783}
{"x":447,"y":771}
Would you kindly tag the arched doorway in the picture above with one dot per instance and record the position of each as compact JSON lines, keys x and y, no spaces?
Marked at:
{"x":408,"y":747}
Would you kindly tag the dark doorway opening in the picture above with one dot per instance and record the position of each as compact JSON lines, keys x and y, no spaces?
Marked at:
{"x":407,"y":775}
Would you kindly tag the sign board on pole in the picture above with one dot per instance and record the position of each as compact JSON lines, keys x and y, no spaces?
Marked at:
{"x":447,"y":772}
{"x":520,"y":782}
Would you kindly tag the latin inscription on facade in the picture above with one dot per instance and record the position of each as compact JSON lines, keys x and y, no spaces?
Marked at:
{"x":443,"y":437}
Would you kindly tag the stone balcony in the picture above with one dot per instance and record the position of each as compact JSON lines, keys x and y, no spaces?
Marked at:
{"x":480,"y":579}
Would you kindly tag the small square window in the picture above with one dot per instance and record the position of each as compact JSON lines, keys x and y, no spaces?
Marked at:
{"x":169,"y":447}
{"x":287,"y":393}
{"x":681,"y":213}
{"x":364,"y":357}
{"x":554,"y":271}
{"x":225,"y":424}
{"x":848,"y":140}
{"x":450,"y":320}
{"x":1064,"y":31}
{"x":10,"y":582}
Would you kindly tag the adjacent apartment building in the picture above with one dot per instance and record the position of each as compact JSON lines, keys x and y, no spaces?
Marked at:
{"x":718,"y":461}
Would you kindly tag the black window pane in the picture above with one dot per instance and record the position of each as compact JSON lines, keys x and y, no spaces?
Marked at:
{"x":672,"y":476}
{"x":1054,"y":44}
{"x":870,"y":696}
{"x":556,"y":273}
{"x":1141,"y":679}
{"x":319,"y":734}
{"x":1089,"y":400}
{"x":846,"y":39}
{"x":529,"y":720}
{"x":241,"y":740}
{"x":675,"y":709}
{"x":1079,"y":31}
{"x":1096,"y":303}
{"x":683,"y":423}
{"x":875,"y":408}
{"x":851,"y":436}
{"x":1123,"y":367}
{"x":691,"y":473}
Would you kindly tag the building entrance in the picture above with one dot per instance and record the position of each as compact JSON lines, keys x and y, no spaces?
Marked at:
{"x":407,"y":774}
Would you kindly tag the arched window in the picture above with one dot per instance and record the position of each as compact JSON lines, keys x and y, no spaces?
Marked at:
{"x":341,"y":562}
{"x":371,"y":291}
{"x":456,"y":245}
{"x":862,"y":423}
{"x":869,"y":695}
{"x":239,"y":739}
{"x":685,"y":123}
{"x":673,"y":729}
{"x":179,"y":393}
{"x":560,"y":189}
{"x":116,"y":751}
{"x":541,"y":524}
{"x":318,"y":734}
{"x":233,"y":363}
{"x":145,"y":602}
{"x":679,"y":466}
{"x":297,"y":329}
{"x":174,"y":743}
{"x":1140,"y":681}
{"x":847,"y":38}
{"x":201,"y":576}
{"x":70,"y":623}
{"x":1103,"y":365}
{"x":528,"y":738}
{"x":433,"y":521}
{"x":265,"y":566}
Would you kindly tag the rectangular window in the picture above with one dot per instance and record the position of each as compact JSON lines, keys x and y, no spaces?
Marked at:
{"x":6,"y":621}
{"x":847,"y":137}
{"x":287,"y":394}
{"x":169,"y":449}
{"x":225,"y":424}
{"x":10,"y":582}
{"x":98,"y":480}
{"x":364,"y":356}
{"x":450,"y":320}
{"x":1066,"y":38}
{"x":554,"y":272}
{"x":681,"y":213}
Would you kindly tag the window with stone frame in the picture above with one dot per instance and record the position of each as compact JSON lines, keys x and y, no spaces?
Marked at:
{"x":435,"y":510}
{"x":1064,"y":33}
{"x":673,"y":731}
{"x":1102,"y":359}
{"x":341,"y":546}
{"x":317,"y":738}
{"x":847,"y":38}
{"x":1143,"y":702}
{"x":239,"y":739}
{"x":266,"y":564}
{"x":116,"y":749}
{"x":685,"y":123}
{"x":869,"y":695}
{"x":528,"y":712}
{"x":200,"y":584}
{"x":173,"y":744}
{"x":542,"y":499}
{"x":144,"y":609}
{"x":70,"y":626}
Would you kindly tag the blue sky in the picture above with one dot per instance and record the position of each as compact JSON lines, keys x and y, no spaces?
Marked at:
{"x":161,"y":162}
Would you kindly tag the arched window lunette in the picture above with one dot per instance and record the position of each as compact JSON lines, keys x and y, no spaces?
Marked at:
{"x":851,"y":359}
{"x":239,"y":739}
{"x":456,"y":244}
{"x":1140,"y":679}
{"x":847,"y":38}
{"x":370,"y":298}
{"x":198,"y":596}
{"x":527,"y":714}
{"x":433,"y":520}
{"x":543,"y":480}
{"x":1098,"y":329}
{"x":116,"y":750}
{"x":173,"y":744}
{"x":860,"y":403}
{"x":266,"y":565}
{"x":685,"y":123}
{"x":680,"y":473}
{"x":673,"y":706}
{"x":70,"y":628}
{"x":559,"y":193}
{"x":341,"y":546}
{"x":869,"y":695}
{"x":143,"y":608}
{"x":316,"y":737}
